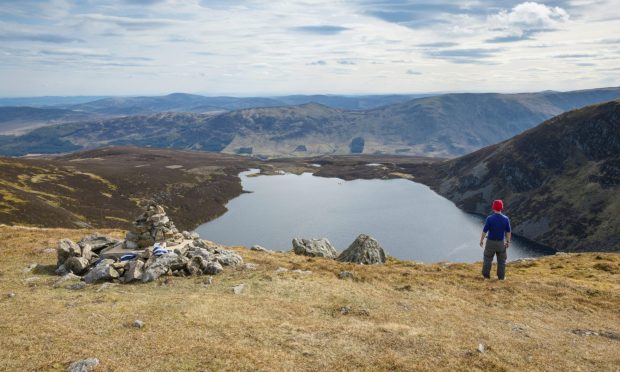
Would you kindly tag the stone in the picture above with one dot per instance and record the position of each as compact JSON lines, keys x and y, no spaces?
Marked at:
{"x":101,"y":273}
{"x":196,"y":265}
{"x":105,"y":261}
{"x":83,"y":365}
{"x":11,"y":295}
{"x":481,"y":348}
{"x":364,"y":250}
{"x":345,"y":275}
{"x":259,"y":248}
{"x":66,"y":248}
{"x":228,"y":258}
{"x":162,"y":265}
{"x":280,"y":270}
{"x":98,"y":242}
{"x":77,"y":286}
{"x":345,"y":310}
{"x":250,"y":266}
{"x":65,"y":278}
{"x":132,"y":245}
{"x":186,"y":235}
{"x":138,"y":323}
{"x":134,"y":271}
{"x":194,"y":236}
{"x":314,"y":248}
{"x":238,"y":289}
{"x":77,"y":265}
{"x":213,"y":268}
{"x":61,"y":270}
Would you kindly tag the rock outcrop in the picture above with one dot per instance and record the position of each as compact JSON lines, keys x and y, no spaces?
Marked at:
{"x":314,"y":248}
{"x":364,"y":250}
{"x":116,"y":261}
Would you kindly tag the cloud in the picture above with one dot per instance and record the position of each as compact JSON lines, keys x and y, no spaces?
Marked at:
{"x":526,"y":19}
{"x":345,"y":62}
{"x":412,"y":72}
{"x":575,"y":55}
{"x":438,"y":44}
{"x":470,"y":55}
{"x":130,"y":23}
{"x":320,"y":30}
{"x":44,"y":38}
{"x":508,"y":39}
{"x":317,"y":63}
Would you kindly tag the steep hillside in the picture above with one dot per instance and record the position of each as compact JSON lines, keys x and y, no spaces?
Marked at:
{"x":560,"y":180}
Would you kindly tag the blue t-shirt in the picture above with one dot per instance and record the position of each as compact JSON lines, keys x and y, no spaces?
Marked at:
{"x":496,"y":225}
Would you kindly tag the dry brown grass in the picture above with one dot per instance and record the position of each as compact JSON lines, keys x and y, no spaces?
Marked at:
{"x":402,"y":316}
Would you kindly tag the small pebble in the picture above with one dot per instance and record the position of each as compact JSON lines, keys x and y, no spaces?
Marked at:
{"x":345,"y":274}
{"x":481,"y":348}
{"x":77,"y":286}
{"x":238,"y":289}
{"x":280,"y":270}
{"x":11,"y":295}
{"x":138,"y":323}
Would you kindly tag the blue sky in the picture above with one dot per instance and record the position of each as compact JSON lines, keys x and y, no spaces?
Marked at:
{"x":128,"y":47}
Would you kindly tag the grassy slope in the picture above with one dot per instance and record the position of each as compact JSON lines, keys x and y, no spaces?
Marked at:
{"x":403,"y":315}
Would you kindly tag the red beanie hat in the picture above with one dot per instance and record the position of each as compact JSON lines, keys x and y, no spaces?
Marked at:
{"x":498,"y":205}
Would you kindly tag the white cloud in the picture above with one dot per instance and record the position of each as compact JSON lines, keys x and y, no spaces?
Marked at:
{"x":527,"y":18}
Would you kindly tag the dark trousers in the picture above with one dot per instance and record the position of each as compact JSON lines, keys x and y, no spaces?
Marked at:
{"x":492,"y":248}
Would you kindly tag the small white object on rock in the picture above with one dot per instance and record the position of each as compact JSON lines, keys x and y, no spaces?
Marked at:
{"x":238,"y":289}
{"x":83,"y":365}
{"x":11,"y":295}
{"x":481,"y":348}
{"x":138,"y":323}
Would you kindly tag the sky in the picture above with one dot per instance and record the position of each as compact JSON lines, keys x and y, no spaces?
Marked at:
{"x":262,"y":48}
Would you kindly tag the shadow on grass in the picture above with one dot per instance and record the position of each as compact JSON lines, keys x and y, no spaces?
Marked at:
{"x":45,"y":270}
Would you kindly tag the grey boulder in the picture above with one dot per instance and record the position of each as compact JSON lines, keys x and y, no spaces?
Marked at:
{"x":98,"y":242}
{"x":101,"y":273}
{"x":364,"y":250}
{"x":67,"y":248}
{"x":77,"y":265}
{"x":83,"y":365}
{"x":314,"y":248}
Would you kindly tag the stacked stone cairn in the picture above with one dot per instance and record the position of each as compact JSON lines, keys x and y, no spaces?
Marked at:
{"x":97,"y":258}
{"x":153,"y":226}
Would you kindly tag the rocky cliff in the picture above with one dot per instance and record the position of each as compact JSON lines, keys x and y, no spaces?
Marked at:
{"x":560,"y":180}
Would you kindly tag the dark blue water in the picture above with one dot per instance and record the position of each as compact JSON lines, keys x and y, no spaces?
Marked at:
{"x":408,"y":219}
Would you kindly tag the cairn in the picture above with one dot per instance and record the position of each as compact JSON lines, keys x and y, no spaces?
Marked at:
{"x":98,"y":258}
{"x":153,"y":226}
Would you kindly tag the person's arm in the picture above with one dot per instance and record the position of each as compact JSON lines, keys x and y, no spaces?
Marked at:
{"x":485,"y":229}
{"x":508,"y":235}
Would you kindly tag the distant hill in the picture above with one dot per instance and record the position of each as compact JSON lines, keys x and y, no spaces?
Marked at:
{"x":47,"y":101}
{"x":560,"y":180}
{"x":181,"y":102}
{"x":443,"y":126}
{"x":15,"y":120}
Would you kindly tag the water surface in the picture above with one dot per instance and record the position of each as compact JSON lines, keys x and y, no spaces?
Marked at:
{"x":408,"y":219}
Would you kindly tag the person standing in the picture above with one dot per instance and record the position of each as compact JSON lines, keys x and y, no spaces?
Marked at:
{"x":498,"y":234}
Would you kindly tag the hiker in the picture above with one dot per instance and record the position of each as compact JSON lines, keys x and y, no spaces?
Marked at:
{"x":498,"y":234}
